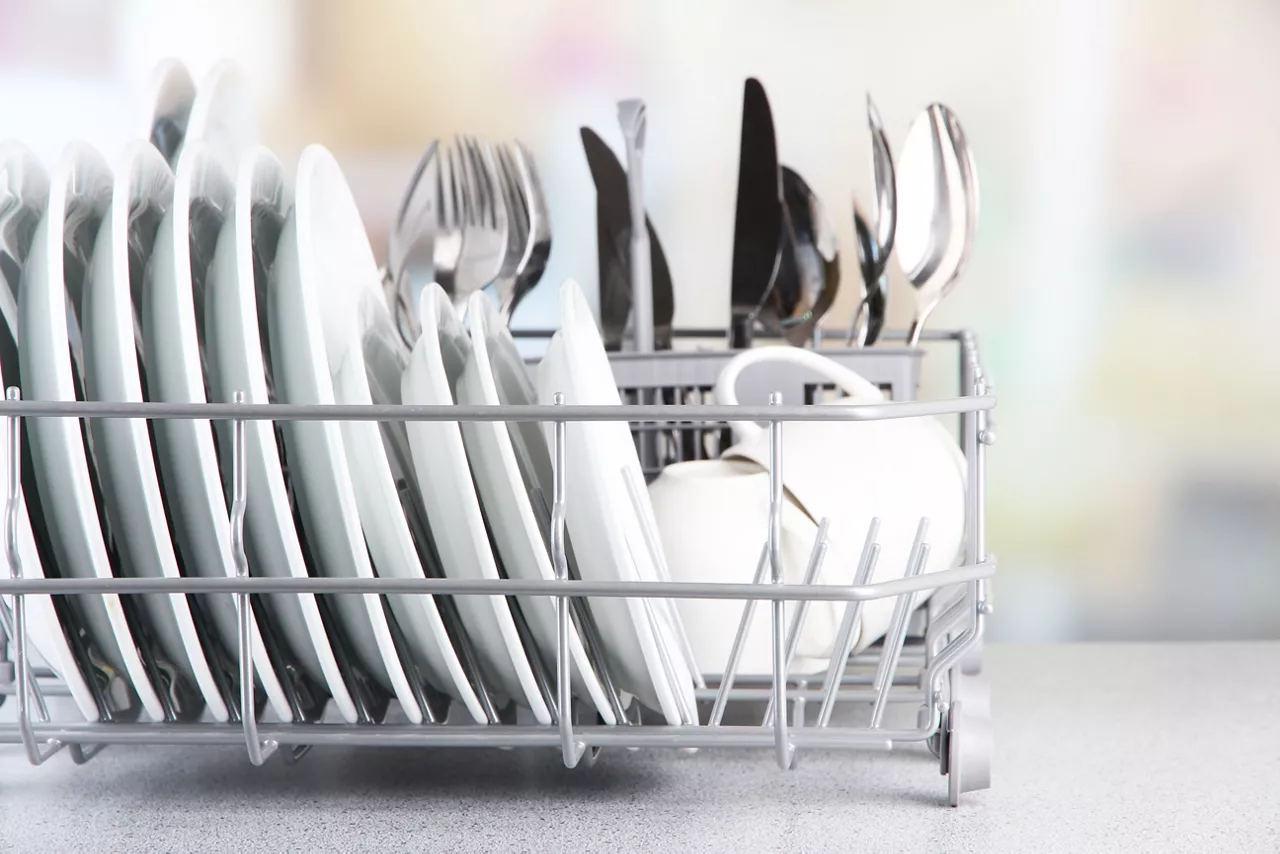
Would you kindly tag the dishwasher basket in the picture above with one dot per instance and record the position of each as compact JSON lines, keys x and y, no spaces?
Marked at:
{"x":929,"y":658}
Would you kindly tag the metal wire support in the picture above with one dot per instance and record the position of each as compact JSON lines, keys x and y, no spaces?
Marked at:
{"x":739,"y":640}
{"x":571,"y":749}
{"x":28,"y":688}
{"x":784,"y":749}
{"x":259,"y":750}
{"x":817,"y":555}
{"x":850,"y":625}
{"x":897,"y":632}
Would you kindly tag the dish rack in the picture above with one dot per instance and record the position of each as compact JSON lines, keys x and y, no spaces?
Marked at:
{"x":929,"y":658}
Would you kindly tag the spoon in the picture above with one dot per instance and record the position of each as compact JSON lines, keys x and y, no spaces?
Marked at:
{"x":875,"y":233}
{"x":937,"y":220}
{"x":410,"y":244}
{"x":809,"y":273}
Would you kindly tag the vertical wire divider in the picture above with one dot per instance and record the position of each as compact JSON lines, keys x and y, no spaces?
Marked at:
{"x":897,"y":632}
{"x":588,"y":631}
{"x":783,"y":749}
{"x":739,"y":640}
{"x":26,"y":686}
{"x":258,"y":750}
{"x":571,"y":750}
{"x":849,"y":625}
{"x":653,"y":543}
{"x":817,"y":556}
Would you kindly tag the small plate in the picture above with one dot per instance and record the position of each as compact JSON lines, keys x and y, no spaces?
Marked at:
{"x":240,"y":359}
{"x":179,"y":266}
{"x":50,"y":306}
{"x":323,"y":268}
{"x":172,"y":93}
{"x":223,"y":116}
{"x":449,"y":497}
{"x":113,"y":359}
{"x":509,"y":461}
{"x":24,"y":192}
{"x":607,"y":527}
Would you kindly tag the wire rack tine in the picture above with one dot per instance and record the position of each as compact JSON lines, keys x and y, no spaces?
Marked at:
{"x":817,"y":556}
{"x":849,"y":626}
{"x":258,"y":749}
{"x":783,"y":748}
{"x":739,"y":640}
{"x":897,"y":632}
{"x":27,"y":687}
{"x":571,"y":749}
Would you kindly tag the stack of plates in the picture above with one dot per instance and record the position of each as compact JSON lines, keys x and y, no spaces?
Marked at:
{"x":195,"y":271}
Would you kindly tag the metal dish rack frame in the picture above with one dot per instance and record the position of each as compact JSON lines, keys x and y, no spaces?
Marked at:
{"x":930,"y":657}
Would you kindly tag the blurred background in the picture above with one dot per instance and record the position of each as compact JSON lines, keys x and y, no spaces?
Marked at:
{"x":1123,"y":284}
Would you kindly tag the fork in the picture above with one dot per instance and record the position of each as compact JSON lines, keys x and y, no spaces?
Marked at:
{"x":529,"y":245}
{"x":484,"y":222}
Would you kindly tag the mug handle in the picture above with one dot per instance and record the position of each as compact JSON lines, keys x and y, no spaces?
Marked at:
{"x":726,"y":394}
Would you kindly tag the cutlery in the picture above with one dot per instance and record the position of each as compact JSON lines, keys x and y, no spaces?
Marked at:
{"x":529,"y":236}
{"x":875,"y":235}
{"x":614,"y":247}
{"x":938,"y":190}
{"x":410,"y":245}
{"x":809,"y":274}
{"x":631,"y":116}
{"x":484,"y":230}
{"x":758,"y":219}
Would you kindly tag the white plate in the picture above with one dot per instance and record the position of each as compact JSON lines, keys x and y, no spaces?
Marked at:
{"x":50,"y":297}
{"x":24,"y":192}
{"x":179,"y":263}
{"x":171,"y":95}
{"x":238,"y":284}
{"x":141,"y":196}
{"x":608,"y":531}
{"x":449,"y":496}
{"x":509,"y":461}
{"x":223,"y":115}
{"x":323,"y":266}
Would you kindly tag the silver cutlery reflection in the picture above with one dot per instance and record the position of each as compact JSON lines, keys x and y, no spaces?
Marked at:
{"x":938,"y":213}
{"x":528,"y":226}
{"x":809,"y":274}
{"x":483,"y":213}
{"x":875,"y":232}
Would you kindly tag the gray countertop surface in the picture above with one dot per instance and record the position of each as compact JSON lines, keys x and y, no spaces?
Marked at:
{"x":1104,"y":747}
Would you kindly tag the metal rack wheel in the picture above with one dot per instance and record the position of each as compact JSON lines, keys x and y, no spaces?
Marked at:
{"x":968,"y":752}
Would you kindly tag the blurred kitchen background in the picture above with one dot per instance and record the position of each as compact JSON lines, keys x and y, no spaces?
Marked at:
{"x":1125,"y":282}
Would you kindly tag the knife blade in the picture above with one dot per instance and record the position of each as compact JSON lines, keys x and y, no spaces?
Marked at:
{"x":613,"y":249}
{"x":758,"y":217}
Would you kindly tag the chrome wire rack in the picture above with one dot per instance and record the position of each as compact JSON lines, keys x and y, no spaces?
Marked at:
{"x":929,"y":658}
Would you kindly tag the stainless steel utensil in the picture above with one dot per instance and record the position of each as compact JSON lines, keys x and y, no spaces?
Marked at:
{"x":631,"y":116}
{"x":484,"y":233}
{"x":875,"y":233}
{"x":411,"y":242}
{"x":809,"y":275}
{"x":758,"y":232}
{"x":529,"y":227}
{"x":938,"y":197}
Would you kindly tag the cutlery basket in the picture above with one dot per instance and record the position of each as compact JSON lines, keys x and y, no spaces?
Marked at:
{"x":929,"y":660}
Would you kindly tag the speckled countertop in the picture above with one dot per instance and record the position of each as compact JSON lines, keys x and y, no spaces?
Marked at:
{"x":1169,"y":747}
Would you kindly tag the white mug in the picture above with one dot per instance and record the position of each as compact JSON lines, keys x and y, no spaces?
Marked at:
{"x":712,"y":516}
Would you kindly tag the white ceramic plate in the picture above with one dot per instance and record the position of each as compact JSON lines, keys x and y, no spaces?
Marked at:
{"x":606,"y":527}
{"x":223,"y":115}
{"x":24,"y":193}
{"x":179,"y":265}
{"x":236,"y":337}
{"x":508,"y":462}
{"x":171,"y":95}
{"x":141,"y":196}
{"x":449,"y":496}
{"x":50,"y":300}
{"x":323,"y":267}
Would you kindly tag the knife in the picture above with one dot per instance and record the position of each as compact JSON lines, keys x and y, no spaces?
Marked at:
{"x":758,"y":219}
{"x":613,"y":249}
